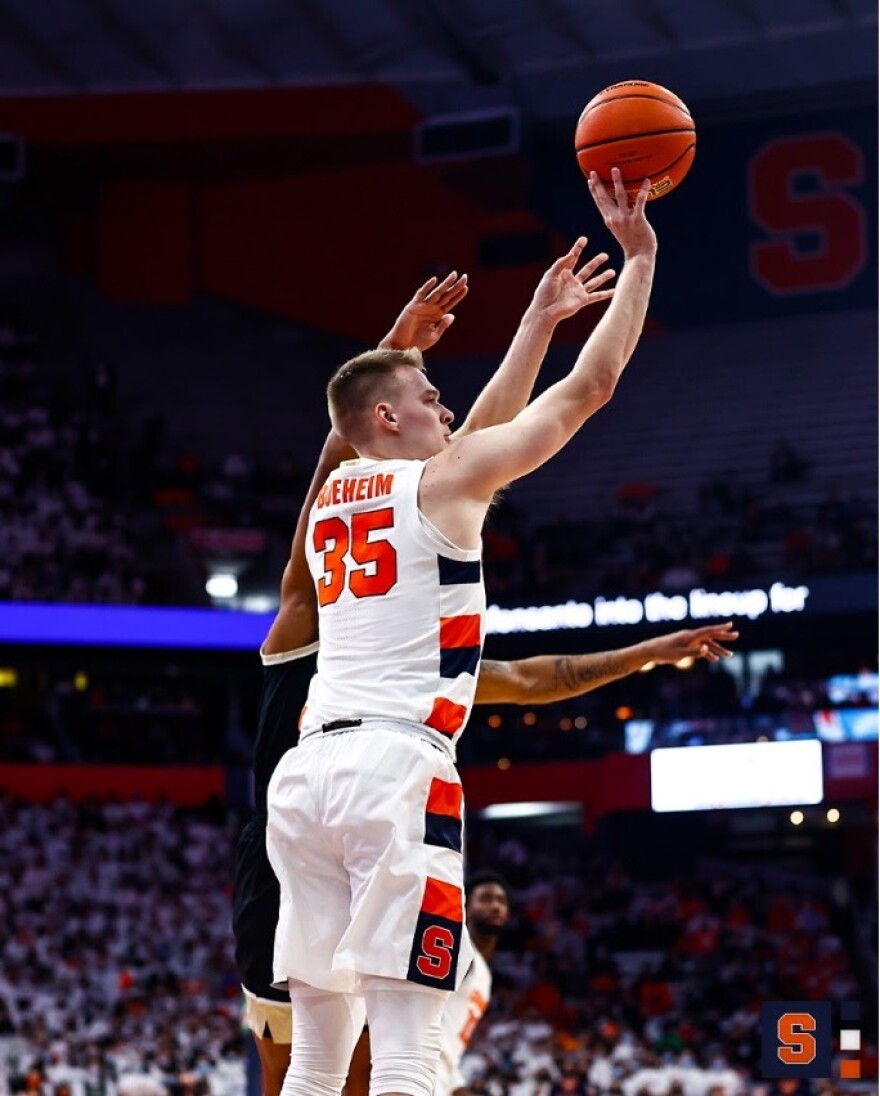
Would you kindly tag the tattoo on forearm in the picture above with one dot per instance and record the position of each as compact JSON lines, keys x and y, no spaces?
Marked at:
{"x":576,"y":672}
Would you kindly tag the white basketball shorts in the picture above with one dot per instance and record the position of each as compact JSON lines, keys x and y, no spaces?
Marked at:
{"x":365,"y":836}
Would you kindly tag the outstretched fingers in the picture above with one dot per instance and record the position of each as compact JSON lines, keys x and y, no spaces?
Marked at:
{"x":451,"y":297}
{"x":568,"y":261}
{"x":600,"y":194}
{"x":710,"y":640}
{"x":422,"y":292}
{"x":588,"y":270}
{"x":444,"y":294}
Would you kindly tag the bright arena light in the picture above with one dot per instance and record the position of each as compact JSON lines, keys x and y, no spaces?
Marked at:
{"x":527,"y":809}
{"x":833,"y":814}
{"x":222,"y":586}
{"x":796,"y":817}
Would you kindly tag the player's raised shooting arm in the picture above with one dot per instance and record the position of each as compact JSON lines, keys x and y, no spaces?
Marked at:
{"x":560,"y":294}
{"x":296,"y":622}
{"x":476,"y":466}
{"x":548,"y":678}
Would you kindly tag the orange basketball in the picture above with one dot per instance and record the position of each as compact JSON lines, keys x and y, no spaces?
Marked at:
{"x":641,"y":128}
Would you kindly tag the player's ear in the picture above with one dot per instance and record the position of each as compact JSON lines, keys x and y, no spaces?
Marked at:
{"x":384,"y":412}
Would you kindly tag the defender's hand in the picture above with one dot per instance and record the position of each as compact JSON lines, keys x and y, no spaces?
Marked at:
{"x":425,"y":318}
{"x":693,"y":643}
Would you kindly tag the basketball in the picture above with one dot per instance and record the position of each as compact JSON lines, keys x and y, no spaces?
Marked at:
{"x":643,"y":129}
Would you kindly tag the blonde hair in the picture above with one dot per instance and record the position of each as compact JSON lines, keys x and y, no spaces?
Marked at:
{"x":358,"y":383}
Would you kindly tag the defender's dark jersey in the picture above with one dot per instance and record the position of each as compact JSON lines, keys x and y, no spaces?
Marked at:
{"x":282,"y":698}
{"x":256,"y":895}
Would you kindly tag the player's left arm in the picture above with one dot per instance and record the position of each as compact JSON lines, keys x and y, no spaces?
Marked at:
{"x":421,"y":322}
{"x":559,"y":294}
{"x":547,"y":678}
{"x":296,"y":622}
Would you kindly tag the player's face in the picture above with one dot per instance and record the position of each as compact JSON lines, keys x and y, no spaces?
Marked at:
{"x":488,"y":909}
{"x":424,"y":423}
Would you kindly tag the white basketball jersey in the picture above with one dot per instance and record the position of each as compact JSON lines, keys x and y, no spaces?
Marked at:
{"x":463,"y":1011}
{"x":401,"y":610}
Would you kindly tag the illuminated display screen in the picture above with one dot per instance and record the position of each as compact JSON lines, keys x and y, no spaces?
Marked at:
{"x":747,"y":774}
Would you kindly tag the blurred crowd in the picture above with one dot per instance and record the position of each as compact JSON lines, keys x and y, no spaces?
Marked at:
{"x":605,"y":983}
{"x":735,"y":533}
{"x":69,"y":527}
{"x":118,"y":972}
{"x":239,"y":514}
{"x":93,"y":508}
{"x":117,"y":957}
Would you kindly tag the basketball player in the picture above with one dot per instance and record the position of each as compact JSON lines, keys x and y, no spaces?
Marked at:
{"x":289,"y":663}
{"x":364,"y":818}
{"x":487,"y":907}
{"x":289,"y":647}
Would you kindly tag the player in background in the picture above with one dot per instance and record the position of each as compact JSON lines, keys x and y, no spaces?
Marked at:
{"x":487,"y":908}
{"x":365,"y":816}
{"x":289,"y":657}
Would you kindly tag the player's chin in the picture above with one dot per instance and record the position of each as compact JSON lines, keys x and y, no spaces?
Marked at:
{"x":491,"y":926}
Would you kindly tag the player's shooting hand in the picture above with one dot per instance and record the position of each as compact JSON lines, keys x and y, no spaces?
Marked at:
{"x":705,"y":643}
{"x":428,"y":315}
{"x":626,"y":222}
{"x":563,"y":291}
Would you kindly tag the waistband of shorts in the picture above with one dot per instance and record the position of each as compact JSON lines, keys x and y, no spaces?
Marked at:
{"x":372,"y":723}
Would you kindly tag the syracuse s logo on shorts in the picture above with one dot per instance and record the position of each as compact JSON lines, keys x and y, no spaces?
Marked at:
{"x":433,"y":960}
{"x":797,"y":1037}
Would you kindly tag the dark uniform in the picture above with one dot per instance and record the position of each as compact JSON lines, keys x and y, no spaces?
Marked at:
{"x":256,"y":895}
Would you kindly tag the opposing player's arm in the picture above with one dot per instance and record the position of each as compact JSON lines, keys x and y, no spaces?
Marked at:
{"x":547,"y":678}
{"x":428,"y":314}
{"x":560,"y":293}
{"x":296,"y":622}
{"x":421,"y":322}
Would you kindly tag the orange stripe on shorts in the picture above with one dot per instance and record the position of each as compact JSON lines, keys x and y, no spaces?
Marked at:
{"x":444,"y":798}
{"x":446,"y":717}
{"x":442,"y":900}
{"x":460,"y":631}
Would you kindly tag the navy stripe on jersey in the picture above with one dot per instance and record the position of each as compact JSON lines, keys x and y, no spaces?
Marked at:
{"x":455,"y":572}
{"x":459,"y":660}
{"x":443,"y":830}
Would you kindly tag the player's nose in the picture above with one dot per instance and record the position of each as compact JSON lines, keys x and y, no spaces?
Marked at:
{"x":446,"y":416}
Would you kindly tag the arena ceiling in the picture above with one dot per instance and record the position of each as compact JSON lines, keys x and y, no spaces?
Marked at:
{"x":539,"y":55}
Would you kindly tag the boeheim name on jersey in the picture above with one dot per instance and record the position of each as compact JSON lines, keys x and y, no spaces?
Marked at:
{"x":401,"y":609}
